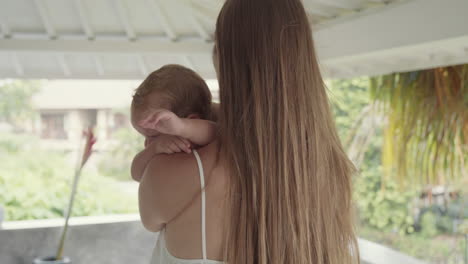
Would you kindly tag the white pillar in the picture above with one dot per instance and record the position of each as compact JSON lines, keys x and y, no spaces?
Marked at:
{"x":101,"y":123}
{"x":73,"y":125}
{"x":37,"y":124}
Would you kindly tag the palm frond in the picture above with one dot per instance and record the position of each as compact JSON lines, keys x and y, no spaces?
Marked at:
{"x":426,"y":133}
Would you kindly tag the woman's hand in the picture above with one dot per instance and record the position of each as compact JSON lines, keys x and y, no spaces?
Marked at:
{"x":164,"y":121}
{"x":169,"y":144}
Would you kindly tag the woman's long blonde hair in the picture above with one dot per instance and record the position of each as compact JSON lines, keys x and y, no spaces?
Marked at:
{"x":290,"y":180}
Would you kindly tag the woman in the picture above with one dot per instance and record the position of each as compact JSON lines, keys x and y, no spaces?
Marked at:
{"x":278,"y":183}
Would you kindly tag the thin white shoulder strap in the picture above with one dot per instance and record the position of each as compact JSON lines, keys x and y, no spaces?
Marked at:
{"x":203,"y":203}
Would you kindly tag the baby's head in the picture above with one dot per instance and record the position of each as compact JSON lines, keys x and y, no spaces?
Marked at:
{"x":171,"y":87}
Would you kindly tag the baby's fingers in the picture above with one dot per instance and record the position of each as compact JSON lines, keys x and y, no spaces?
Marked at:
{"x":186,"y":142}
{"x":182,"y":145}
{"x":168,"y":150}
{"x":175,"y":148}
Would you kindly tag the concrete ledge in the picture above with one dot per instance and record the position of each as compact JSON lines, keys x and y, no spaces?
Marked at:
{"x":74,"y":221}
{"x":118,"y":239}
{"x":374,"y":253}
{"x":109,"y":239}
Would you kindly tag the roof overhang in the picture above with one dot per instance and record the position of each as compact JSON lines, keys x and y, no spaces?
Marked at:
{"x":123,"y":39}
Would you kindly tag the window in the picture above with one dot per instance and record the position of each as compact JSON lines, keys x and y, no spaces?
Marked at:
{"x":53,"y":126}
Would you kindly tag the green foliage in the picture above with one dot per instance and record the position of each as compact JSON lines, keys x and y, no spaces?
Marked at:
{"x":35,"y":184}
{"x":116,"y":164}
{"x":15,"y":100}
{"x":384,"y":207}
{"x":439,"y":249}
{"x":381,"y":206}
{"x":14,"y":143}
{"x":426,"y":135}
{"x":348,"y":99}
{"x":463,"y":228}
{"x":429,"y":225}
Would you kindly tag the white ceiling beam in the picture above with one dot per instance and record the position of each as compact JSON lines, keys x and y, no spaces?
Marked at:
{"x":315,"y":9}
{"x":63,"y":65}
{"x":380,"y":1}
{"x":375,"y":67}
{"x":209,"y":9}
{"x":206,"y":11}
{"x":108,"y":46}
{"x":17,"y":64}
{"x":343,"y":4}
{"x":206,"y":19}
{"x":84,"y":20}
{"x":379,"y":34}
{"x":345,"y":18}
{"x":202,"y":32}
{"x":5,"y":31}
{"x":142,"y":65}
{"x":98,"y":65}
{"x":30,"y":36}
{"x":125,"y":20}
{"x":188,"y":62}
{"x":78,"y":36}
{"x":162,"y":18}
{"x":83,"y":75}
{"x":45,"y":18}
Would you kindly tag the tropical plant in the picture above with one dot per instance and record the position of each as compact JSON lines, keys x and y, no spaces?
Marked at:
{"x":15,"y":100}
{"x":426,"y":133}
{"x":349,"y":99}
{"x":38,"y":186}
{"x":87,"y":151}
{"x":355,"y":118}
{"x":386,"y":209}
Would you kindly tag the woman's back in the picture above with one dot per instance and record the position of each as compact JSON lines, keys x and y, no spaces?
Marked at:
{"x":181,"y":240}
{"x":289,"y":179}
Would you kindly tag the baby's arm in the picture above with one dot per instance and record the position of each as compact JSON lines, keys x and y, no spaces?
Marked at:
{"x":198,"y":131}
{"x":163,"y":144}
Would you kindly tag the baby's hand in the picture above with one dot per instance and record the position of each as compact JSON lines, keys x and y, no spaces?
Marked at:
{"x":169,"y":144}
{"x":164,"y":121}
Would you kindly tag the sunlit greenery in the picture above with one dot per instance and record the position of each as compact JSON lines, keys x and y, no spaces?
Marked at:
{"x":386,"y":211}
{"x":35,"y":184}
{"x":15,"y":100}
{"x":426,"y":133}
{"x":116,"y":162}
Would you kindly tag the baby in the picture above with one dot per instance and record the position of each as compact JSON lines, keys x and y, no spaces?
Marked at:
{"x":170,"y":109}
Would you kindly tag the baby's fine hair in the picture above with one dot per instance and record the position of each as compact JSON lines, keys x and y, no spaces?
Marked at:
{"x":186,"y":91}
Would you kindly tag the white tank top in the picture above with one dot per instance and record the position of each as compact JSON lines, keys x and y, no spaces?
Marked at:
{"x":160,"y":253}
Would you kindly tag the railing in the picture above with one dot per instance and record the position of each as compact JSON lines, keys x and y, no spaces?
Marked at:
{"x":373,"y":253}
{"x":118,"y":239}
{"x":110,"y":239}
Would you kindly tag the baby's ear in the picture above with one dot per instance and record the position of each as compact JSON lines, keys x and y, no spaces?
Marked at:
{"x":193,"y":116}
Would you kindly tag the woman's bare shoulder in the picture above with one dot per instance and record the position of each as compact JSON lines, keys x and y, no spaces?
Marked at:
{"x":171,"y":182}
{"x":214,"y":166}
{"x":167,"y":186}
